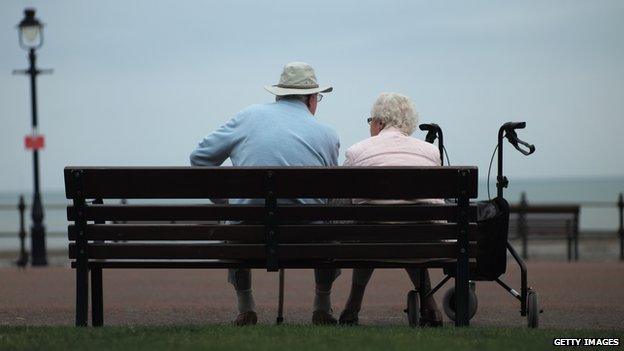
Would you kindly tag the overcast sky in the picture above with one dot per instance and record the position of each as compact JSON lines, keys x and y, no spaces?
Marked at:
{"x":141,"y":82}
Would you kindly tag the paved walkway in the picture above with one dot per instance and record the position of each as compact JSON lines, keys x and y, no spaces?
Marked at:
{"x":573,"y":295}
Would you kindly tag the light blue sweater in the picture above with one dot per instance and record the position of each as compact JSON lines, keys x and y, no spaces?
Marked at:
{"x":282,"y":133}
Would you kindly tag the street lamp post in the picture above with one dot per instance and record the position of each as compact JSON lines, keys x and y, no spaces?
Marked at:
{"x":31,"y":39}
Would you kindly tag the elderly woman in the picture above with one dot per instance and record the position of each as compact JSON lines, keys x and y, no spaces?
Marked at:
{"x":393,"y":119}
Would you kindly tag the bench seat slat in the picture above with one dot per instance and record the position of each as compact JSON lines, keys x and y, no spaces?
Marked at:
{"x":287,"y":233}
{"x":417,"y":212}
{"x":429,"y":263}
{"x":249,"y":182}
{"x":258,"y":251}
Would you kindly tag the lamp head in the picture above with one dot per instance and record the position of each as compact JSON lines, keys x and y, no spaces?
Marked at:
{"x":30,"y":31}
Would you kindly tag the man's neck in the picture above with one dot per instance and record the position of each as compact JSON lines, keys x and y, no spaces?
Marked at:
{"x":296,"y":102}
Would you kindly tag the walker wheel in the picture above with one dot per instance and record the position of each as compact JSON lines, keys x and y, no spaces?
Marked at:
{"x":413,"y":309}
{"x":448,"y":302}
{"x":532,"y":309}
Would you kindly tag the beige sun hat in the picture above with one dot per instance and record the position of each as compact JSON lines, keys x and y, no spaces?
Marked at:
{"x":297,"y":79}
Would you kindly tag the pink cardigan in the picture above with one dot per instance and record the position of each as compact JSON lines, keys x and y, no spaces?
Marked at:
{"x":391,"y":147}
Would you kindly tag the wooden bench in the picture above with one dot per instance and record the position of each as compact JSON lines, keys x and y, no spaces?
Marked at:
{"x":545,"y":222}
{"x":276,"y":235}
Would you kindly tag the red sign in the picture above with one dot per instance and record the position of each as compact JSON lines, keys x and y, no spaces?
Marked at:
{"x":34,"y":142}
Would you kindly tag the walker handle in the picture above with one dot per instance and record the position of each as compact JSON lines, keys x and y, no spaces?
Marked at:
{"x":511,"y":126}
{"x":432,"y":131}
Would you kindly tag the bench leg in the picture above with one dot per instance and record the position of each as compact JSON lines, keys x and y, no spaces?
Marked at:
{"x":575,"y":227}
{"x":280,"y":300}
{"x":97,"y":299}
{"x":462,"y":273}
{"x":461,"y":300}
{"x":82,"y":295}
{"x":462,"y":276}
{"x":576,"y":245}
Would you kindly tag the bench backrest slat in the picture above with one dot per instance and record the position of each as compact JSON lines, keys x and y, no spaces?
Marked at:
{"x":131,"y":212}
{"x":287,"y":233}
{"x":251,"y":182}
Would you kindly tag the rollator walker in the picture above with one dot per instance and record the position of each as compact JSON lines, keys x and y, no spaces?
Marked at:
{"x":494,"y":224}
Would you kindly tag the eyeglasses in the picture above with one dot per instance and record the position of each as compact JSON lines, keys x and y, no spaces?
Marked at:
{"x":319,"y":97}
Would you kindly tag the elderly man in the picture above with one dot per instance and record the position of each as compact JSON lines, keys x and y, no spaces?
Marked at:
{"x":282,"y":133}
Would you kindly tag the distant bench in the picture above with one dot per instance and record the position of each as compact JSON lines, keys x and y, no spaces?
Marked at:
{"x":276,"y":235}
{"x":546,"y":222}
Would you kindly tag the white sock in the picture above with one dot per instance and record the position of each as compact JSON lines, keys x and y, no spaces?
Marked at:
{"x":245,"y":301}
{"x":322,"y":301}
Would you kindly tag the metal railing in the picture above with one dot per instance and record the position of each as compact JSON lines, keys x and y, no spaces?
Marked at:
{"x":21,"y":209}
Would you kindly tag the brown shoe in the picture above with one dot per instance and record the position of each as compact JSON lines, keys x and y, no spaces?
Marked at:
{"x":323,"y":318}
{"x":246,"y":318}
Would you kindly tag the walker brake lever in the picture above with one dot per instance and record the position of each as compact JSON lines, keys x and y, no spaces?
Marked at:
{"x":531,"y":147}
{"x":514,"y":140}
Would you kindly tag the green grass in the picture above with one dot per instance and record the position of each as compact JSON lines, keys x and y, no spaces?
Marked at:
{"x":286,"y":337}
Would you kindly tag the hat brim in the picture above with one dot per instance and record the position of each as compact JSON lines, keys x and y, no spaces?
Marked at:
{"x":275,"y":90}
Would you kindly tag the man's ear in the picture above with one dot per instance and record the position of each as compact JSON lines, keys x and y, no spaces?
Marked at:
{"x":312,"y":103}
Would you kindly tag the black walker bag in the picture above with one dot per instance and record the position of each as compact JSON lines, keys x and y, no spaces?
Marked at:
{"x":493,"y":227}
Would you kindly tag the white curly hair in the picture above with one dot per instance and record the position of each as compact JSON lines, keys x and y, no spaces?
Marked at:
{"x":396,"y":110}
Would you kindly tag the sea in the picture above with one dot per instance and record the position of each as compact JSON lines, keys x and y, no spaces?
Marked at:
{"x":597,"y":197}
